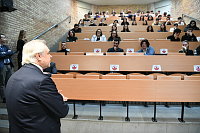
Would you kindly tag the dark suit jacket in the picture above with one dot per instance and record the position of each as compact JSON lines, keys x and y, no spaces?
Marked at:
{"x":33,"y":102}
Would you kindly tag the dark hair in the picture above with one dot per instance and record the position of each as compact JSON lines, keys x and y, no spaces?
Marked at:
{"x":141,"y":18}
{"x":147,"y":42}
{"x":151,"y":28}
{"x":150,"y":17}
{"x":112,"y":28}
{"x":112,"y":33}
{"x":117,"y":40}
{"x":179,"y":18}
{"x":193,"y":21}
{"x":72,"y":32}
{"x":145,"y":22}
{"x":133,"y":18}
{"x":190,"y":29}
{"x":115,"y":20}
{"x":176,"y":31}
{"x":175,"y":24}
{"x":135,"y":23}
{"x":76,"y":25}
{"x":100,"y":31}
{"x":127,"y":30}
{"x":21,"y":34}
{"x":163,"y":29}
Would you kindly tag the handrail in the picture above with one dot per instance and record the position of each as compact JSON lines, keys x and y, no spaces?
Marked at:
{"x":185,"y":15}
{"x":53,"y":26}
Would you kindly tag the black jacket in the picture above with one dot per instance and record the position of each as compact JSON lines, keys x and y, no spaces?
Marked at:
{"x":77,"y":30}
{"x":113,"y":50}
{"x":192,"y":38}
{"x":33,"y":102}
{"x":172,"y":38}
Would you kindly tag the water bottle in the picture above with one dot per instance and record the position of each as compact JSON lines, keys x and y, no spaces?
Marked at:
{"x":195,"y":52}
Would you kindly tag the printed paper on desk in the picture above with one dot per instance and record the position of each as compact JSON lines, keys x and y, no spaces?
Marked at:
{"x":156,"y":68}
{"x":163,"y":51}
{"x":197,"y":68}
{"x":97,"y":50}
{"x":130,"y":50}
{"x":114,"y":67}
{"x":74,"y":67}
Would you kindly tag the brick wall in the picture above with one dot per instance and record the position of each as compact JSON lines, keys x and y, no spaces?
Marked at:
{"x":118,"y":9}
{"x":35,"y":16}
{"x":189,"y":7}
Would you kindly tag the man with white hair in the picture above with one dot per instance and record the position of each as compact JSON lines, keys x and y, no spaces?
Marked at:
{"x":33,"y":102}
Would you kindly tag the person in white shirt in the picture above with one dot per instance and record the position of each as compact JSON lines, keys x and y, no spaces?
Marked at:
{"x":98,"y":37}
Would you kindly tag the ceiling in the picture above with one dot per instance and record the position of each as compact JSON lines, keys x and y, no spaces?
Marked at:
{"x":119,"y":2}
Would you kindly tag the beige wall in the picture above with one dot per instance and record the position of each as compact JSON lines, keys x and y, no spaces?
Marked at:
{"x":118,"y":9}
{"x":189,"y":7}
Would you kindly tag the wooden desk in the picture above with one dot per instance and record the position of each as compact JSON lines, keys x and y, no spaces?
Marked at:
{"x":130,"y":90}
{"x":87,"y":46}
{"x":127,"y":63}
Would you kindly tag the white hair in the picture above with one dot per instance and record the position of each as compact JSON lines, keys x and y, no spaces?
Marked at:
{"x":32,"y":48}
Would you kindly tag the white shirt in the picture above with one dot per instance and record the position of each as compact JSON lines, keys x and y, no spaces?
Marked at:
{"x":38,"y":66}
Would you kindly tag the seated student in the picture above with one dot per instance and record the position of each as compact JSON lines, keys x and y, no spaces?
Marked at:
{"x":175,"y":36}
{"x":189,"y":36}
{"x":168,"y":22}
{"x":125,"y":29}
{"x":125,"y":22}
{"x":114,"y":36}
{"x":134,"y":22}
{"x":146,"y":48}
{"x":141,"y":18}
{"x":92,"y":23}
{"x":180,"y":21}
{"x":145,"y":22}
{"x":113,"y":28}
{"x":115,"y":47}
{"x":159,"y":17}
{"x":150,"y":18}
{"x":192,"y":26}
{"x":76,"y":28}
{"x":162,"y":28}
{"x":63,"y":47}
{"x":133,"y":18}
{"x":86,"y":18}
{"x":150,"y":28}
{"x":52,"y":69}
{"x":173,"y":28}
{"x":165,"y":14}
{"x":157,"y":22}
{"x":71,"y":36}
{"x":185,"y":48}
{"x":98,"y":37}
{"x":102,"y":22}
{"x":115,"y":23}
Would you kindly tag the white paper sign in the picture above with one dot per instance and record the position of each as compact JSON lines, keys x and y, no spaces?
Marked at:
{"x":197,"y":68}
{"x":130,"y":50}
{"x":68,"y":50}
{"x":163,"y":51}
{"x":97,"y":50}
{"x":114,"y":67}
{"x":156,"y":68}
{"x":74,"y":67}
{"x":141,"y":39}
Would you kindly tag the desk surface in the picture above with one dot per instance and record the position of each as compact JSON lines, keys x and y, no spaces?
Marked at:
{"x":127,"y":63}
{"x":130,"y":90}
